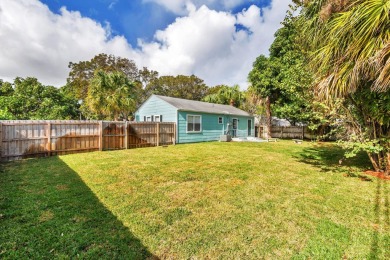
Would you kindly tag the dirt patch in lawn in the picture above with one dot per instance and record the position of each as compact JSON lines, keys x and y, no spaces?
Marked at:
{"x":380,"y":175}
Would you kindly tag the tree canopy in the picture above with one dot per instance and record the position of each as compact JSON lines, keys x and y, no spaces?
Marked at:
{"x":81,"y":73}
{"x":225,"y":95}
{"x":346,"y":45}
{"x":111,"y":96}
{"x":187,"y":87}
{"x":27,"y":98}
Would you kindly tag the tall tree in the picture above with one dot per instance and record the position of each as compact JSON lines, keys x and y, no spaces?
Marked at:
{"x":264,"y":81}
{"x":29,"y":99}
{"x":295,"y":79}
{"x":354,"y":48}
{"x":187,"y":87}
{"x":351,"y":62}
{"x":111,"y":95}
{"x":81,"y":73}
{"x":6,"y":92}
{"x":226,"y":95}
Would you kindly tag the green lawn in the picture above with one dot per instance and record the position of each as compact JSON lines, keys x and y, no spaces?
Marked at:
{"x":208,"y":200}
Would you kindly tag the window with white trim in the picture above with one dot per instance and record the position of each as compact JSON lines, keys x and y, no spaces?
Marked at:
{"x":148,"y":119}
{"x":194,"y":123}
{"x":220,"y":120}
{"x":157,"y":118}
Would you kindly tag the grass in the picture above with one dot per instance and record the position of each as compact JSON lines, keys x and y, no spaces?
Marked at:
{"x":207,"y":200}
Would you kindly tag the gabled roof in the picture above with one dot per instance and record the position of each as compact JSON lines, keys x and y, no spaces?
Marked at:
{"x":198,"y":106}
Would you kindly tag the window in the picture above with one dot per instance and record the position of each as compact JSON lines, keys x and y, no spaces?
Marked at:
{"x":220,"y":120}
{"x":153,"y":118}
{"x":194,"y":123}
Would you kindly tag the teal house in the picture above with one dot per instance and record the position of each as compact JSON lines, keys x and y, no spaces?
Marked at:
{"x":197,"y":121}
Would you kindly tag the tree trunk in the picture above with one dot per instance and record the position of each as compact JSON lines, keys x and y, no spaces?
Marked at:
{"x":269,"y":116}
{"x":374,"y":161}
{"x":387,"y":169}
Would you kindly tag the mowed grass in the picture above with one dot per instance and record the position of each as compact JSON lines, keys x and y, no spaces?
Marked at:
{"x":203,"y":201}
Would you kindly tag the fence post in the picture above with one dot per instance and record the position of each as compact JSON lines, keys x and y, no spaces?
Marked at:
{"x":174,"y":134}
{"x":49,"y":138}
{"x":158,"y":134}
{"x":126,"y":136}
{"x":100,"y":135}
{"x":1,"y":140}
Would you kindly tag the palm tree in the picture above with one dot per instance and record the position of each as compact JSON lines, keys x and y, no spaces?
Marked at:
{"x":111,"y":95}
{"x":352,"y":61}
{"x":226,"y":95}
{"x":355,"y":49}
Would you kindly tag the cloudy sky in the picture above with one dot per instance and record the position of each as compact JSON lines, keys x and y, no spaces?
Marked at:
{"x":215,"y":40}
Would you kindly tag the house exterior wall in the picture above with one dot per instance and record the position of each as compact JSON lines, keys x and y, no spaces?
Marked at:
{"x":242,"y":130}
{"x":155,"y":106}
{"x":211,"y":129}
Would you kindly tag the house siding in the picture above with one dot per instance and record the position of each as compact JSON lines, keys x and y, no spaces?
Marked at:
{"x":211,"y":129}
{"x":156,"y":106}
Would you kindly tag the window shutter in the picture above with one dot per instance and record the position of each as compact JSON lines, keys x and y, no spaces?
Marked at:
{"x":144,"y":118}
{"x":160,"y":118}
{"x":152,"y":118}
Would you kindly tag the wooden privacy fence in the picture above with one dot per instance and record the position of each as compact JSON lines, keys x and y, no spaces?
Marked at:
{"x":301,"y":132}
{"x":23,"y":139}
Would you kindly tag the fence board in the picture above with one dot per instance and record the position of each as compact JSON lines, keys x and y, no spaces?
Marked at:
{"x":1,"y":139}
{"x":22,"y":139}
{"x":290,"y":132}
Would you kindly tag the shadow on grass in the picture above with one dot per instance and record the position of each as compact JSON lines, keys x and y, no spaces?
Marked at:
{"x":381,"y":218}
{"x":47,"y":211}
{"x":329,"y":157}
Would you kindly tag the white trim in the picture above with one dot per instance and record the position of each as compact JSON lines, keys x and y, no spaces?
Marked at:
{"x":155,"y":117}
{"x":194,"y":132}
{"x":148,"y":118}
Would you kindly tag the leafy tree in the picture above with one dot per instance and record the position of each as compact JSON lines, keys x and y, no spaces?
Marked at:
{"x":187,"y":87}
{"x":29,"y":99}
{"x":146,"y":76}
{"x":354,"y":48}
{"x":6,"y":88}
{"x":81,"y":73}
{"x":111,"y":95}
{"x":295,"y":79}
{"x":283,"y":80}
{"x":264,"y":82}
{"x":214,"y":90}
{"x":350,"y":48}
{"x":226,"y":95}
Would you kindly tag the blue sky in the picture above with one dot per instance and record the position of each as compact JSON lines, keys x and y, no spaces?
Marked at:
{"x":137,"y":18}
{"x":215,"y":40}
{"x":131,"y":18}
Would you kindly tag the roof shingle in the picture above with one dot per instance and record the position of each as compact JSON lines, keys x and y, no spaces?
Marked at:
{"x":198,"y":106}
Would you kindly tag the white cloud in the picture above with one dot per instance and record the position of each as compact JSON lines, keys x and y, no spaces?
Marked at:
{"x":112,"y":4}
{"x":36,"y":42}
{"x":206,"y":43}
{"x":180,"y":6}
